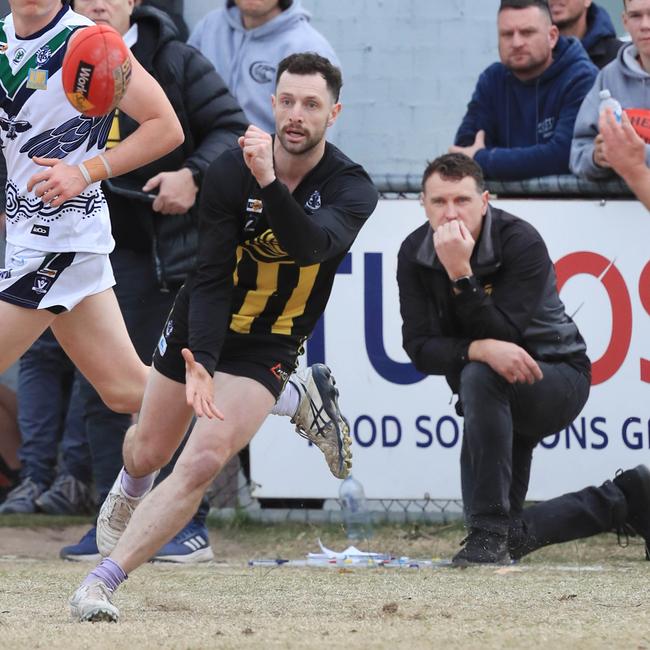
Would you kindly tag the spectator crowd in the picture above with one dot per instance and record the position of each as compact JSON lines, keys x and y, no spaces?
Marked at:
{"x":535,"y":112}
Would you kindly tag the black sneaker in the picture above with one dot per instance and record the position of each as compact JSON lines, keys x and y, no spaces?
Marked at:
{"x":66,"y":496}
{"x":482,"y":547}
{"x":21,"y":499}
{"x":635,"y":485}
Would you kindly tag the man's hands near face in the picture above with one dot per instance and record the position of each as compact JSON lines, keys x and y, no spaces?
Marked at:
{"x":479,"y":143}
{"x":454,"y":244}
{"x":507,"y":359}
{"x":257,"y":146}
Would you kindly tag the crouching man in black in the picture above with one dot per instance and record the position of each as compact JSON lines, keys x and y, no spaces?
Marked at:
{"x":480,"y":305}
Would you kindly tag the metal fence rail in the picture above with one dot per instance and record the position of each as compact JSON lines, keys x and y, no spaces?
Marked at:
{"x":566,"y":186}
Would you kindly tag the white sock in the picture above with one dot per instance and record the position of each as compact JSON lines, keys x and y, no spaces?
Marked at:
{"x":288,"y":401}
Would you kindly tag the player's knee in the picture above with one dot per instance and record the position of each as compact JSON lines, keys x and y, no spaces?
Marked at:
{"x":121,"y":401}
{"x":147,"y":459}
{"x":200,"y":470}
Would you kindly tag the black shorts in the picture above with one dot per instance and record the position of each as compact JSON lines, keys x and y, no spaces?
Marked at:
{"x":269,"y":359}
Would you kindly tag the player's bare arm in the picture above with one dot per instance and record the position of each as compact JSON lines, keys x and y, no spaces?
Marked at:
{"x":159,"y":133}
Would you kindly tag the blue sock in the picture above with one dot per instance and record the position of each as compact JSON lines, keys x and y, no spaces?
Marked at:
{"x":136,"y":487}
{"x":109,"y":572}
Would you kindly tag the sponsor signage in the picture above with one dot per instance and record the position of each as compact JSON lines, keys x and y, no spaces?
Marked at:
{"x":406,"y":434}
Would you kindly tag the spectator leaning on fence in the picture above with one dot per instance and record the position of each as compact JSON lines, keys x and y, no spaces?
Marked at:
{"x":627,"y":79}
{"x":591,"y":24}
{"x":520,"y":119}
{"x":245,"y":41}
{"x":479,"y":305}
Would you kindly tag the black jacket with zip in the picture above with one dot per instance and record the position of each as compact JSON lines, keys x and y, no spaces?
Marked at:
{"x":211,"y":121}
{"x":517,"y":300}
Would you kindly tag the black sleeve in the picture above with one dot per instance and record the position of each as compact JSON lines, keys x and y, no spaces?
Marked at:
{"x":430,"y":351}
{"x":211,"y":288}
{"x":214,"y":116}
{"x":329,"y":231}
{"x":505,"y":313}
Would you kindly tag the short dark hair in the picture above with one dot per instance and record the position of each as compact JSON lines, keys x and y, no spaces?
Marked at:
{"x":454,"y":167}
{"x":304,"y":63}
{"x":542,"y":5}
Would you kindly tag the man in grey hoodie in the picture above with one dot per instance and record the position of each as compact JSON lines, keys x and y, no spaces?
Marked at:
{"x":245,"y":41}
{"x":628,"y":80}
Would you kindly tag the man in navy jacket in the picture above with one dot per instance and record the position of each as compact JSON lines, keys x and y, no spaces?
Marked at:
{"x":519,"y":122}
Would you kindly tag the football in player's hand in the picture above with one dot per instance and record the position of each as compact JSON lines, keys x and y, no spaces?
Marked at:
{"x":96,"y":70}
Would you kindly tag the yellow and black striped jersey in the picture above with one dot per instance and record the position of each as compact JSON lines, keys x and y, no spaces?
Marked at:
{"x":267,"y":257}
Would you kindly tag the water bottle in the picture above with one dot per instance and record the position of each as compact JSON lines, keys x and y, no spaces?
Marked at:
{"x":356,"y":516}
{"x":607,"y":101}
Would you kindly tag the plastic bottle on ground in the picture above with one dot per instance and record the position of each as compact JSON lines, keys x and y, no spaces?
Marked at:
{"x":356,"y":516}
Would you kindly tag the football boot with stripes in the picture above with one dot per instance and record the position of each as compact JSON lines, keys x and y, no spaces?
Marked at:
{"x":319,"y":419}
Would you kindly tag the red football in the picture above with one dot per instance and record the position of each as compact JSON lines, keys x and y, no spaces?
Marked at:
{"x":96,"y":70}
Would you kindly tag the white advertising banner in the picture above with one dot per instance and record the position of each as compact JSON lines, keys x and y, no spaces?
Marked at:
{"x":406,"y":434}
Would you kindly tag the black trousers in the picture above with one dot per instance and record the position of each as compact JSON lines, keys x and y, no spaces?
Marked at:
{"x":503,"y":424}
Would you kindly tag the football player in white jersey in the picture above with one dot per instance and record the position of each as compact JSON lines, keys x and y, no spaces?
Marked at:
{"x":57,"y":273}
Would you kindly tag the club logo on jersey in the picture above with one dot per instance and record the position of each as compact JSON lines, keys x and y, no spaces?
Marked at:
{"x":262,"y":72}
{"x":18,"y":55}
{"x":37,"y":79}
{"x":13,"y":126}
{"x":162,"y":346}
{"x":41,"y":231}
{"x":169,"y":328}
{"x":266,"y":248}
{"x":314,"y":201}
{"x":254,"y":205}
{"x":41,"y":285}
{"x":43,"y":55}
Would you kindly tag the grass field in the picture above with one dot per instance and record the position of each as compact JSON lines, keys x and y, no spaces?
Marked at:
{"x":590,"y":594}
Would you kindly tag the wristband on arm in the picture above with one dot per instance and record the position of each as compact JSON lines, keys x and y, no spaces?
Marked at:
{"x":96,"y":169}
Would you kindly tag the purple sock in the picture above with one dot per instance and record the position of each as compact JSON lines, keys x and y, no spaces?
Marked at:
{"x":109,"y":572}
{"x":136,"y":487}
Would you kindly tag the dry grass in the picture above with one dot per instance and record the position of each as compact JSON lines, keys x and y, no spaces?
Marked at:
{"x":585,"y":595}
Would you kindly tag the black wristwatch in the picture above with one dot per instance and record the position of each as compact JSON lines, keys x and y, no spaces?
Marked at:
{"x":465,"y":285}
